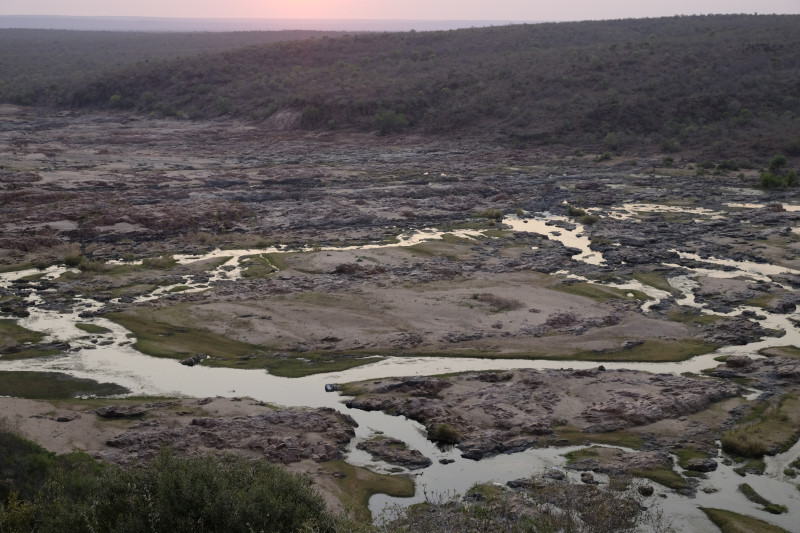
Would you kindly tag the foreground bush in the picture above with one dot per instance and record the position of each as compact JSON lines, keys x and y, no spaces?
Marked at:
{"x":44,"y":492}
{"x":175,"y":494}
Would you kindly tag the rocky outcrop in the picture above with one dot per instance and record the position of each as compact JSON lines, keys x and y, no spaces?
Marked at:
{"x":487,"y":414}
{"x":615,"y":462}
{"x":130,"y":411}
{"x":701,"y":465}
{"x":395,"y":452}
{"x":281,"y":436}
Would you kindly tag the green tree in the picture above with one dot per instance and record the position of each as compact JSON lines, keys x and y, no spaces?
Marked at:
{"x":389,"y":121}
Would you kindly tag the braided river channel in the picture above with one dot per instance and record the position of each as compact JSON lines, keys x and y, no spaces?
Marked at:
{"x":113,"y":359}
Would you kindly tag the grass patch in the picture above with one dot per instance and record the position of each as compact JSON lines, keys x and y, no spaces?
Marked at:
{"x":31,"y":353}
{"x":781,"y":351}
{"x":654,"y":280}
{"x":663,"y":476}
{"x":730,"y":522}
{"x":159,"y":334}
{"x":278,"y":260}
{"x":179,"y":288}
{"x":650,"y":351}
{"x":600,"y":293}
{"x":162,"y":262}
{"x":687,"y":454}
{"x":769,"y":428}
{"x":449,"y":238}
{"x":306,"y":364}
{"x":761,"y":301}
{"x":359,"y":484}
{"x":256,"y":266}
{"x":750,"y":493}
{"x":692,"y":318}
{"x":12,"y":334}
{"x":166,"y":333}
{"x":15,"y":268}
{"x":580,"y":455}
{"x":92,"y":328}
{"x":53,"y":385}
{"x":492,"y":214}
{"x":575,"y":436}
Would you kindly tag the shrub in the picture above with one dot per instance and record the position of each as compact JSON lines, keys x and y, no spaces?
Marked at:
{"x":777,"y":163}
{"x":494,"y":214}
{"x":88,"y":265}
{"x":73,"y":260}
{"x":729,"y":164}
{"x":445,"y":434}
{"x":793,"y":147}
{"x":770,"y":180}
{"x":225,"y":494}
{"x":497,"y":304}
{"x":741,"y":443}
{"x":389,"y":121}
{"x":163,"y":262}
{"x":668,"y":161}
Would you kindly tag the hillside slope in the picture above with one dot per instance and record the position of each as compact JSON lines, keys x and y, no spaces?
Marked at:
{"x":726,"y":85}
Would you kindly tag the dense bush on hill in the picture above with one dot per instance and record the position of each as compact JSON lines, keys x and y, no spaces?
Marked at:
{"x":727,"y":84}
{"x":37,"y":64}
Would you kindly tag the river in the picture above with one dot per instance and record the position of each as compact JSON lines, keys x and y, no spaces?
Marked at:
{"x":115,"y":360}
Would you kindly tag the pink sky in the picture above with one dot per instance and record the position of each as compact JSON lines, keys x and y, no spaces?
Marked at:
{"x":503,"y":10}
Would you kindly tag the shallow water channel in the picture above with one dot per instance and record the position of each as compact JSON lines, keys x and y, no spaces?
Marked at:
{"x":113,"y":359}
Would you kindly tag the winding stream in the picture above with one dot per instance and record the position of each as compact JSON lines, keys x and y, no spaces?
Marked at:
{"x":109,"y":357}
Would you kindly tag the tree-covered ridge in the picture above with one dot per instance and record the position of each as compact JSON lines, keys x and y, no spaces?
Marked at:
{"x":725,"y":83}
{"x":46,"y":64}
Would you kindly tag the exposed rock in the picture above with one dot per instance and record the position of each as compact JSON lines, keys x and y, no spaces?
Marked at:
{"x":645,"y":490}
{"x":394,"y":451}
{"x":281,"y":436}
{"x":785,"y":305}
{"x":495,"y":413}
{"x":701,"y":465}
{"x":736,"y":331}
{"x":121,"y":411}
{"x":194,"y":360}
{"x":615,"y":462}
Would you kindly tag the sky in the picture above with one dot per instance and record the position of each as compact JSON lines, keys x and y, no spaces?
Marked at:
{"x":502,"y":10}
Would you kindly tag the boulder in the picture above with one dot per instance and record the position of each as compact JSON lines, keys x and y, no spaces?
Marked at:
{"x":121,"y":411}
{"x":194,"y":360}
{"x":701,"y":465}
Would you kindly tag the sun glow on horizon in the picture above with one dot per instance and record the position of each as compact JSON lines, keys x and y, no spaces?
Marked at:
{"x":501,"y":10}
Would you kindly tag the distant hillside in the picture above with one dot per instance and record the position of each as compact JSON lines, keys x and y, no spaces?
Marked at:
{"x":728,"y":85}
{"x":161,"y":24}
{"x":37,"y":65}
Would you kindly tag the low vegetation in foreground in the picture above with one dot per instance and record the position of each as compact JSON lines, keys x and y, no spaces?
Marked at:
{"x":43,"y":492}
